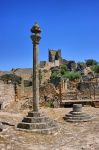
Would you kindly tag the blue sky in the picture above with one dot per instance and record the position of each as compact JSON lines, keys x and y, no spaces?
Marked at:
{"x":69,"y":25}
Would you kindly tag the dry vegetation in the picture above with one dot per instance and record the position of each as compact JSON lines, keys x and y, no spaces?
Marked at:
{"x":71,"y":136}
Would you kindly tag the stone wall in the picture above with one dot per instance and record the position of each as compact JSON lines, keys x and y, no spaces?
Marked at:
{"x":7,"y":94}
{"x":47,"y":65}
{"x":47,"y":91}
{"x":24,"y":92}
{"x":45,"y":75}
{"x":25,"y":73}
{"x":88,"y":89}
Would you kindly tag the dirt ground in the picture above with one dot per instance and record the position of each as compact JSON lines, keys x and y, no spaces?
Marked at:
{"x":71,"y":136}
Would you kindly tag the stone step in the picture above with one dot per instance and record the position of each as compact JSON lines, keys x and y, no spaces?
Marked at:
{"x":78,"y":115}
{"x":35,"y":119}
{"x":33,"y":114}
{"x":50,"y":130}
{"x":75,"y":118}
{"x":36,"y":122}
{"x":78,"y":120}
{"x":30,"y":126}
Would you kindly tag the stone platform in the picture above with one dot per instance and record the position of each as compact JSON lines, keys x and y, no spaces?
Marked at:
{"x":37,"y":123}
{"x":77,"y":115}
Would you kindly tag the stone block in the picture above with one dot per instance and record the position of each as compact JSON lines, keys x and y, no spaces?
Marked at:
{"x":35,"y":119}
{"x":77,"y":115}
{"x":34,"y":114}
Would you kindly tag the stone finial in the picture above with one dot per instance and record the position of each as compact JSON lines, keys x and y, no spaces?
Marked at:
{"x":36,"y":29}
{"x":36,"y":33}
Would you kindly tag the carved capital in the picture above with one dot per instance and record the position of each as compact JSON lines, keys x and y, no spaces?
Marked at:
{"x":35,"y":38}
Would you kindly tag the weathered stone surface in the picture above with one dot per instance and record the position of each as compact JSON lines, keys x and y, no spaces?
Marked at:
{"x":33,"y":114}
{"x":35,"y":122}
{"x":77,"y":108}
{"x":54,"y":55}
{"x":47,"y":92}
{"x":7,"y":94}
{"x":35,"y":119}
{"x":77,"y":115}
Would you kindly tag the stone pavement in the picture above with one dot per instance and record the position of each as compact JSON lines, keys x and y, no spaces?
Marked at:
{"x":72,"y":136}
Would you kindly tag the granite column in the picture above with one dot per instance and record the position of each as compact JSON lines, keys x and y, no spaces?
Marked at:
{"x":35,"y":39}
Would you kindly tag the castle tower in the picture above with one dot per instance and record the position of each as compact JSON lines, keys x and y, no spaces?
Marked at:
{"x":54,"y":55}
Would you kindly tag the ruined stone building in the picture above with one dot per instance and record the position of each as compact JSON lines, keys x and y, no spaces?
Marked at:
{"x":54,"y":55}
{"x":54,"y":59}
{"x":24,"y":90}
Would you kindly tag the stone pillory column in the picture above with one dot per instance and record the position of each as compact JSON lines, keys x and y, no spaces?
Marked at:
{"x":35,"y":121}
{"x":35,"y":39}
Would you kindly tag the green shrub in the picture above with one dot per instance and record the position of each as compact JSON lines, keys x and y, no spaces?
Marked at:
{"x":14,"y":78}
{"x":72,"y":75}
{"x":55,"y":78}
{"x":91,"y":62}
{"x":96,"y":68}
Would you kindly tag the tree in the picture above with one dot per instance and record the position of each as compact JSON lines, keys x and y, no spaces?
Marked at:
{"x":57,"y":74}
{"x":13,"y":78}
{"x":82,"y":64}
{"x":71,"y":75}
{"x":96,"y":68}
{"x":55,"y":78}
{"x":91,"y":62}
{"x":63,"y":69}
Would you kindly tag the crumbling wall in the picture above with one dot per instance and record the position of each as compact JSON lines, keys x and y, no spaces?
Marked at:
{"x":24,"y":73}
{"x":7,"y":94}
{"x":89,"y":89}
{"x":24,"y":92}
{"x":47,"y":91}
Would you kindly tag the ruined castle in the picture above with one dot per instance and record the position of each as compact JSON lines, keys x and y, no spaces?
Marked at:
{"x":54,"y":59}
{"x":24,"y":90}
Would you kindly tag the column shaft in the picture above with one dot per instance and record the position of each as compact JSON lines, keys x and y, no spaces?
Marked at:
{"x":35,"y":78}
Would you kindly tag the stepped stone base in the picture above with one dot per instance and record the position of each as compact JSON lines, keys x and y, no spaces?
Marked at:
{"x":77,"y":115}
{"x":37,"y":123}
